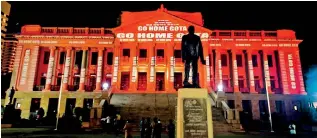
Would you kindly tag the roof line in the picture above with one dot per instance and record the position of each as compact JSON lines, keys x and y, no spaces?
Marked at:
{"x":183,"y":19}
{"x":188,"y":21}
{"x":132,"y":23}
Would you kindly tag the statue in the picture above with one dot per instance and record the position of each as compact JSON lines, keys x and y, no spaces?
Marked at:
{"x":192,"y":50}
{"x":11,"y":95}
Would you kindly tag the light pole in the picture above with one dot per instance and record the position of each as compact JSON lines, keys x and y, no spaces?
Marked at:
{"x":269,"y":107}
{"x":59,"y":101}
{"x":60,"y":96}
{"x":267,"y":93}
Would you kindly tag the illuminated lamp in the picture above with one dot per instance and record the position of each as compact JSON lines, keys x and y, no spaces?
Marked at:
{"x":105,"y":86}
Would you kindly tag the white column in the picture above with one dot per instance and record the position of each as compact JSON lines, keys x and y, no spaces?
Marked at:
{"x":25,"y":66}
{"x":50,"y":69}
{"x":99,"y":70}
{"x":66,"y":69}
{"x":83,"y":71}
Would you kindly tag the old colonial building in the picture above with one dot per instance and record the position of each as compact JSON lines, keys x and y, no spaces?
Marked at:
{"x":143,"y":55}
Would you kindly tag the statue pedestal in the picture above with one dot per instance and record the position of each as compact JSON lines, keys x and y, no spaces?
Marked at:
{"x":194,"y":117}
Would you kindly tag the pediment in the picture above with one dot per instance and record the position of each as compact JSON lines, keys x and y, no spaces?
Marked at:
{"x":158,"y":25}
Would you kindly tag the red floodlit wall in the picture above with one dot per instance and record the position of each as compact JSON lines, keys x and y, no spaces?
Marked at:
{"x":163,"y":30}
{"x":42,"y":68}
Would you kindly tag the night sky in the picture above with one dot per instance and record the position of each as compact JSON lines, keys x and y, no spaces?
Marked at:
{"x":297,"y":16}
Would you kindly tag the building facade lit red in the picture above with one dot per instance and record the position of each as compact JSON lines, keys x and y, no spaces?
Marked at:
{"x":143,"y":55}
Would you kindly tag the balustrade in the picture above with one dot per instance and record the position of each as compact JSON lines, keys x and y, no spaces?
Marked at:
{"x":55,"y":87}
{"x":245,"y":34}
{"x":90,"y":88}
{"x":38,"y":87}
{"x":244,"y":90}
{"x":71,"y":30}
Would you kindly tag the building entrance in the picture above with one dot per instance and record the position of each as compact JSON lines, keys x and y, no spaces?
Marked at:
{"x":160,"y":81}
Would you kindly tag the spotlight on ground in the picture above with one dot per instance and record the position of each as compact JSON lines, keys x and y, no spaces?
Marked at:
{"x":220,"y":87}
{"x":105,"y":86}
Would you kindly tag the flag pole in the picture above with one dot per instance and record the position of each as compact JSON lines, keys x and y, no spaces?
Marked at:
{"x":60,"y":97}
{"x":59,"y":102}
{"x":267,"y":94}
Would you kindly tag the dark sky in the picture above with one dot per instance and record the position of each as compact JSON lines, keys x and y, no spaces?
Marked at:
{"x":298,"y":16}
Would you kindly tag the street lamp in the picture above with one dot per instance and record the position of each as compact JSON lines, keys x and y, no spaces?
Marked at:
{"x":220,"y":87}
{"x":105,"y":86}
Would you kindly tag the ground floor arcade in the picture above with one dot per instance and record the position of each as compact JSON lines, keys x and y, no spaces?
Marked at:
{"x":256,"y":104}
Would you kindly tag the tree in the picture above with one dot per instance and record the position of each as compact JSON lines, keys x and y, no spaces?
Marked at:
{"x":311,"y":79}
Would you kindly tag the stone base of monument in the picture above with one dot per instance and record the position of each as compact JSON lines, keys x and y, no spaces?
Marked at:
{"x":163,"y":106}
{"x":194,"y":116}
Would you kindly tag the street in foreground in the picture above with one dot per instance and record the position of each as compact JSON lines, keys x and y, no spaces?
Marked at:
{"x":49,"y":133}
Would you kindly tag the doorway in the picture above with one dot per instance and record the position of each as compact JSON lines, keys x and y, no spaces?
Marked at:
{"x":160,"y":81}
{"x":142,"y":81}
{"x":125,"y":79}
{"x":70,"y":105}
{"x":178,"y":80}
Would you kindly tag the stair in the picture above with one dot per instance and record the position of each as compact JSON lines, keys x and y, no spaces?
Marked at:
{"x":219,"y":123}
{"x":136,"y":106}
{"x":162,"y":106}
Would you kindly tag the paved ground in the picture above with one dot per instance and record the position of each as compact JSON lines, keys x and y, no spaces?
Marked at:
{"x":48,"y":133}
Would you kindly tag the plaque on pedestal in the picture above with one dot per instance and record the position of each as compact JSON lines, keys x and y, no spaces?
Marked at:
{"x":194,"y":118}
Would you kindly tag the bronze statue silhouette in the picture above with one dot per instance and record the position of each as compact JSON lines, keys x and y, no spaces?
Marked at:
{"x":11,"y":95}
{"x":192,"y":50}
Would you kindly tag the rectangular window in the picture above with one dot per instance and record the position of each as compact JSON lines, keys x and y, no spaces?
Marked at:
{"x":257,"y":84}
{"x":247,"y":106}
{"x":76,"y":81}
{"x":241,"y":83}
{"x":110,"y":58}
{"x":143,"y":53}
{"x":272,"y":84}
{"x":142,"y":80}
{"x":78,"y":58}
{"x":126,"y":52}
{"x":254,"y":61}
{"x":52,"y":106}
{"x":43,"y":80}
{"x":225,"y":84}
{"x":94,"y":58}
{"x":160,"y":81}
{"x":177,"y":53}
{"x":160,"y":52}
{"x":62,"y":58}
{"x":263,"y":109}
{"x":59,"y":81}
{"x":88,"y":103}
{"x":178,"y":80}
{"x":280,"y":107}
{"x":70,"y":105}
{"x":125,"y":80}
{"x":231,"y":104}
{"x":270,"y":60}
{"x":46,"y":57}
{"x":223,"y":60}
{"x":239,"y":60}
{"x":35,"y":104}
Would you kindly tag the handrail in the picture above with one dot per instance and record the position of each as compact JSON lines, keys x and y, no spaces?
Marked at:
{"x":214,"y":96}
{"x":229,"y":114}
{"x":65,"y":31}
